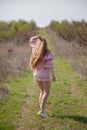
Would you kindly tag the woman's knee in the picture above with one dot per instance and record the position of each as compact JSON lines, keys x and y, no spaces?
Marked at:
{"x":46,"y":93}
{"x":41,"y":92}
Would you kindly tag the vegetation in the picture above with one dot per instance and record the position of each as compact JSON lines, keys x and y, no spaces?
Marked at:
{"x":21,"y":30}
{"x":11,"y":30}
{"x":75,"y":30}
{"x":14,"y":47}
{"x":66,"y":106}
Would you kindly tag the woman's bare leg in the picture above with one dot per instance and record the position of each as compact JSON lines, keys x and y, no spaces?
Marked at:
{"x":41,"y":92}
{"x":46,"y":90}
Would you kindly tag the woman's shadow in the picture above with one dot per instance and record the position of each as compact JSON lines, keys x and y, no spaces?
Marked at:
{"x":74,"y":117}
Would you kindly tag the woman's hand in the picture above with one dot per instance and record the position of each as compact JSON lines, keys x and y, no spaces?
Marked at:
{"x":53,"y":74}
{"x":53,"y":78}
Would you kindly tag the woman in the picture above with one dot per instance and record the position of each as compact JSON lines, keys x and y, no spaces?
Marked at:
{"x":41,"y":63}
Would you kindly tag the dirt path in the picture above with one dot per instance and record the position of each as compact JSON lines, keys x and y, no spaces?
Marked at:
{"x":26,"y":106}
{"x":23,"y":113}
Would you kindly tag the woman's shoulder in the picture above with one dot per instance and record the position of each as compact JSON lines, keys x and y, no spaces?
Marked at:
{"x":48,"y":56}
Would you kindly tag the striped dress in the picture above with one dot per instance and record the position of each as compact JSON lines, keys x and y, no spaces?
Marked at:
{"x":42,"y":71}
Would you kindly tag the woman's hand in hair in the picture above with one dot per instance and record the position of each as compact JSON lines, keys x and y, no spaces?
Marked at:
{"x":40,"y":37}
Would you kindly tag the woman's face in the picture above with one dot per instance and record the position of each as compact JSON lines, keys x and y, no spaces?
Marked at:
{"x":33,"y":41}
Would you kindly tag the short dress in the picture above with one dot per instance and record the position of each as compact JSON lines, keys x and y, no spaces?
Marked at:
{"x":42,"y":71}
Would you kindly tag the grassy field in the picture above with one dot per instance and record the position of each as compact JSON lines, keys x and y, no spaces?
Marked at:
{"x":66,"y":106}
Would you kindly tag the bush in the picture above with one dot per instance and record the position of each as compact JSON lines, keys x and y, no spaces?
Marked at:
{"x":14,"y":55}
{"x":9,"y":30}
{"x":66,"y":30}
{"x":71,"y":31}
{"x":80,"y":29}
{"x":13,"y":60}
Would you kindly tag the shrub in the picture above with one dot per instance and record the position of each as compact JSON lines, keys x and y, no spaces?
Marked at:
{"x":71,"y":30}
{"x":80,"y":29}
{"x":9,"y":30}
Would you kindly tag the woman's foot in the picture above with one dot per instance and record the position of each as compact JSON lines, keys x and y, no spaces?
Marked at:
{"x":42,"y":114}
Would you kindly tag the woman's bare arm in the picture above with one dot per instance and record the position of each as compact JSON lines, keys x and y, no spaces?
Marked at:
{"x":35,"y":38}
{"x":53,"y":74}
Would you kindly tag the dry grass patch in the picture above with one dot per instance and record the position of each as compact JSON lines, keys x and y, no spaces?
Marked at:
{"x":13,"y":60}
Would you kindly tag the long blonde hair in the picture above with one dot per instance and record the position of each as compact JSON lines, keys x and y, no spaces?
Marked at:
{"x":39,"y":51}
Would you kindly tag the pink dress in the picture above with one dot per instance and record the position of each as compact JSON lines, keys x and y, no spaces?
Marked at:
{"x":43,"y":70}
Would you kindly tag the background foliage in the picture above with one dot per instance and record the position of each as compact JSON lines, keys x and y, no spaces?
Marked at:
{"x":75,"y":30}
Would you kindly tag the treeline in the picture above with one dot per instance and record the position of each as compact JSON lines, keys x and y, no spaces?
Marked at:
{"x":10,"y":30}
{"x":75,"y":30}
{"x":22,"y":30}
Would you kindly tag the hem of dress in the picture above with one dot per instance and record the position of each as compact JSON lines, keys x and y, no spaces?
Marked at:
{"x":45,"y":80}
{"x":42,"y":80}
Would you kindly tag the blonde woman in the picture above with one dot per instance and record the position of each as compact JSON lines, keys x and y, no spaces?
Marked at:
{"x":41,"y":63}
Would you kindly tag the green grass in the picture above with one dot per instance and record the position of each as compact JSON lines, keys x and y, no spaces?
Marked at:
{"x":66,"y":105}
{"x":10,"y":107}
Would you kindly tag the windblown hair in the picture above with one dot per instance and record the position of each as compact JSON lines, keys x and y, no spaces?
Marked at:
{"x":39,"y":51}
